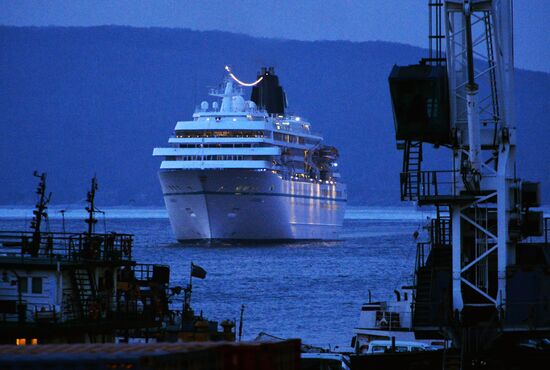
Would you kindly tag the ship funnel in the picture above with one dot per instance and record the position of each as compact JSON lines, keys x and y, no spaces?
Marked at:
{"x":268,"y":94}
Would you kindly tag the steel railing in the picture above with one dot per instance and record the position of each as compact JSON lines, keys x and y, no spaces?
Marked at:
{"x":67,"y":246}
{"x":423,"y":185}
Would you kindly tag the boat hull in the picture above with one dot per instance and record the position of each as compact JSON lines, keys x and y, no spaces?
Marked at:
{"x":250,"y":205}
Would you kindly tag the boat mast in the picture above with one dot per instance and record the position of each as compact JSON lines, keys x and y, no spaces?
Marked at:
{"x":40,"y":212}
{"x":90,"y":208}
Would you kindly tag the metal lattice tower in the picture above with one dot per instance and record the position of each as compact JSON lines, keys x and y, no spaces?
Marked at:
{"x":480,"y":85}
{"x":471,"y":285}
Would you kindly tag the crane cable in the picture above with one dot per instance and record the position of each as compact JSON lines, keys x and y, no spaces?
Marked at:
{"x":228,"y":69}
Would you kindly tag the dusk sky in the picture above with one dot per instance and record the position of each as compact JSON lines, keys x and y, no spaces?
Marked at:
{"x":394,"y":20}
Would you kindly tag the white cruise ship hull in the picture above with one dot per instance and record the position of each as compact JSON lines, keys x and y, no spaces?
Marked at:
{"x":249,"y":205}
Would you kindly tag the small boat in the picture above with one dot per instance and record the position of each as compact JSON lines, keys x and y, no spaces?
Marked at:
{"x":387,"y":321}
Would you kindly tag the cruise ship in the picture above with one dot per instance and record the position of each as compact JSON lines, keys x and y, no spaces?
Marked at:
{"x":245,"y":170}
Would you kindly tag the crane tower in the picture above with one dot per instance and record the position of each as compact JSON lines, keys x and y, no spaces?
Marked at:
{"x":485,"y":272}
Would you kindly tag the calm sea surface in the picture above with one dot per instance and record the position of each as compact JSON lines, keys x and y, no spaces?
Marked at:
{"x":312,"y":291}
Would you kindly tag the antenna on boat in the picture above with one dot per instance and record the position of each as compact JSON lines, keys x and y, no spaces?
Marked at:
{"x":90,"y":208}
{"x":40,"y":212}
{"x":63,"y":219}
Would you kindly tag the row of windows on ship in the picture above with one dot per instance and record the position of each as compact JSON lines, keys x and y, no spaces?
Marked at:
{"x":286,"y":151}
{"x":288,"y":155}
{"x":219,"y":145}
{"x":218,"y":158}
{"x":251,"y":189}
{"x":278,"y":124}
{"x":288,"y":138}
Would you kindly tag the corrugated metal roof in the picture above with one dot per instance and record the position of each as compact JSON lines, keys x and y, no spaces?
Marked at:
{"x":115,"y":348}
{"x":106,"y":348}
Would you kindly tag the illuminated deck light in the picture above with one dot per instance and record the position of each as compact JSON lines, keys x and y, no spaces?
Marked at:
{"x":248,"y":84}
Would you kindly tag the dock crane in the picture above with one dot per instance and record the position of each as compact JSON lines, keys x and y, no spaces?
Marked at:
{"x":486,"y":278}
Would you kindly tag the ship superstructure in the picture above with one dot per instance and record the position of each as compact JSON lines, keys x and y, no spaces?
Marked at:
{"x":245,"y":170}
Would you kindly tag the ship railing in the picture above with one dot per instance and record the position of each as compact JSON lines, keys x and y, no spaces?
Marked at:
{"x":22,"y":311}
{"x":91,"y":308}
{"x":145,"y":273}
{"x":47,"y":313}
{"x":128,"y":306}
{"x":211,"y":109}
{"x":140,"y":305}
{"x":108,"y":247}
{"x":390,"y":320}
{"x":429,"y":186}
{"x":220,"y":91}
{"x":278,"y":126}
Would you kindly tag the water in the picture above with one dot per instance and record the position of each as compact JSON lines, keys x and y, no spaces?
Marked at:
{"x":312,"y":291}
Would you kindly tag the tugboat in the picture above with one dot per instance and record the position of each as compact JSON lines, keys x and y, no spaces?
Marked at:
{"x":84,"y":287}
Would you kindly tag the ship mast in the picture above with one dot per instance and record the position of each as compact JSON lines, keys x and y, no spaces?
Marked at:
{"x":40,"y":212}
{"x":90,"y":208}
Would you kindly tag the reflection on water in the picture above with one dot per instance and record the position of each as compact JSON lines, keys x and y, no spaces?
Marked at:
{"x":78,"y":212}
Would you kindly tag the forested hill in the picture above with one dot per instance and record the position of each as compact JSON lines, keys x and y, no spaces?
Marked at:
{"x":79,"y":101}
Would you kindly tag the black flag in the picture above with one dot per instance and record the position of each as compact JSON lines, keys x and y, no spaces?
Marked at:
{"x":197,"y":271}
